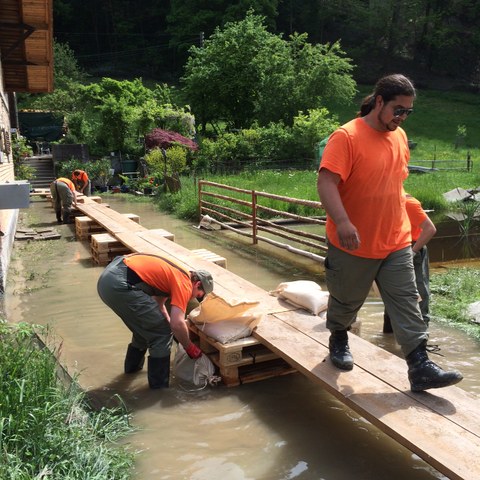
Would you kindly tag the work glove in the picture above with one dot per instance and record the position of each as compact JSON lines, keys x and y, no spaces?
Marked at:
{"x":193,"y":351}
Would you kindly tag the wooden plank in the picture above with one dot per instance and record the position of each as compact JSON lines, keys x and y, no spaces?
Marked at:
{"x":393,"y":370}
{"x":429,"y":424}
{"x":152,"y":235}
{"x":211,"y":257}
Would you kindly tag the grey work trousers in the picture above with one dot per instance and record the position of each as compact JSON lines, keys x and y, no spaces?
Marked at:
{"x":139,"y":311}
{"x":422,"y":278}
{"x":62,"y":198}
{"x":349,"y":279}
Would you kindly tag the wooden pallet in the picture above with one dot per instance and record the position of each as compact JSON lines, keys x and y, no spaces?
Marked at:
{"x":85,"y":227}
{"x":211,"y":257}
{"x":105,"y":248}
{"x":242,"y":361}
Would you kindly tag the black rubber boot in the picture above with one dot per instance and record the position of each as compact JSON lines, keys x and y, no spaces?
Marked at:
{"x":59,"y":217}
{"x":158,"y":372}
{"x":339,"y":350}
{"x":387,"y":324}
{"x":424,"y":374}
{"x":134,"y":359}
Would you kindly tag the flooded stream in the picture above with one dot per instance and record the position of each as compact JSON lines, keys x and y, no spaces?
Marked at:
{"x":278,"y":429}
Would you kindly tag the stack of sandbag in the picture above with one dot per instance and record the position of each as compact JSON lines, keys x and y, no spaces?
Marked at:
{"x":225,"y":321}
{"x":304,"y":294}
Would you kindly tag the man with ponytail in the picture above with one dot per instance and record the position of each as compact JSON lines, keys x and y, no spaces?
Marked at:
{"x":360,"y":184}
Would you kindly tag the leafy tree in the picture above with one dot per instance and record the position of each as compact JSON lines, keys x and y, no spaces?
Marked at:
{"x":244,"y":73}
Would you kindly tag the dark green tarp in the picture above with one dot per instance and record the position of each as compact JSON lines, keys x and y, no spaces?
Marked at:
{"x":40,"y":126}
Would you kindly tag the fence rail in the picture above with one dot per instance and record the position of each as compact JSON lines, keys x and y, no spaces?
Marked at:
{"x":462,"y":165}
{"x":246,"y":213}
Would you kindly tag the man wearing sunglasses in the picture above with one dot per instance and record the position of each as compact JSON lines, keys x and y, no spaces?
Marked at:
{"x":360,"y":184}
{"x":151,"y":295}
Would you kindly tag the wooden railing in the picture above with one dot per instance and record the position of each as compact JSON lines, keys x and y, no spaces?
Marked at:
{"x":245,"y":213}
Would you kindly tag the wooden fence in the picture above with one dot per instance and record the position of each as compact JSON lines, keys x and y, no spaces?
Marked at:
{"x":244,"y":212}
{"x":461,"y":165}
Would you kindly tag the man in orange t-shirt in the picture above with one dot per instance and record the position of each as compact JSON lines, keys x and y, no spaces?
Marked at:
{"x":360,"y":184}
{"x":63,"y":196}
{"x":136,"y":287}
{"x":422,"y":229}
{"x":81,"y":181}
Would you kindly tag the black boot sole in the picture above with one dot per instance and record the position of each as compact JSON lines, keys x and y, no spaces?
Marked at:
{"x":421,"y":387}
{"x":342,"y":365}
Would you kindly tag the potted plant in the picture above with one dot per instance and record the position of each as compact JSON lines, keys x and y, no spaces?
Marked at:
{"x":100,"y":173}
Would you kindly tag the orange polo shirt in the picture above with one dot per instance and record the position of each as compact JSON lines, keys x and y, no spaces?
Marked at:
{"x":168,"y":276}
{"x":372,"y":166}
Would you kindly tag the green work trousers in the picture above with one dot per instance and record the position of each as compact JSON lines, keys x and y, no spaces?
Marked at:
{"x":138,"y":310}
{"x":349,"y":279}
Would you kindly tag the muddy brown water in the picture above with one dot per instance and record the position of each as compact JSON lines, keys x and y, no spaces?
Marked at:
{"x":278,"y":429}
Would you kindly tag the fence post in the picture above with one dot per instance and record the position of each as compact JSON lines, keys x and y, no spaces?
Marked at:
{"x":469,"y":162}
{"x":200,"y":182}
{"x":254,"y":217}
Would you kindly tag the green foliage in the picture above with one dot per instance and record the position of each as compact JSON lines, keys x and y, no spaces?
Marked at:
{"x":270,"y":146}
{"x":98,"y":171}
{"x":174,"y":161}
{"x":312,"y":128}
{"x":66,"y":67}
{"x":20,"y":150}
{"x":46,"y":429}
{"x":244,"y":73}
{"x":452,"y":292}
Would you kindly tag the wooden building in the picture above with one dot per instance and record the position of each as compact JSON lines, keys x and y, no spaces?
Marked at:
{"x":26,"y":65}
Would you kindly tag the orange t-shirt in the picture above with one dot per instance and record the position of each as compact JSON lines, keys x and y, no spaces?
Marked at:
{"x":416,"y":215}
{"x":372,"y":166}
{"x":82,"y":177}
{"x":168,"y":276}
{"x":67,"y":182}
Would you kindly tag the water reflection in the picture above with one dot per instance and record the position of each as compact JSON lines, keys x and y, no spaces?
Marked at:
{"x":278,"y":429}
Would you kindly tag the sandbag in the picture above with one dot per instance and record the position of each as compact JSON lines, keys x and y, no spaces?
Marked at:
{"x":304,"y":294}
{"x":225,"y":321}
{"x":199,"y":372}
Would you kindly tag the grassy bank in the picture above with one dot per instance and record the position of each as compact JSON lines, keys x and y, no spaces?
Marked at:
{"x":451,"y":292}
{"x":46,"y":427}
{"x":427,"y":187}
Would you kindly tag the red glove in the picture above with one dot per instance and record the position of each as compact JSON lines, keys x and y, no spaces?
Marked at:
{"x":193,"y":351}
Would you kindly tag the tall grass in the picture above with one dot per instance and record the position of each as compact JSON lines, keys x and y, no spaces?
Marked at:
{"x":46,"y":429}
{"x":451,"y":293}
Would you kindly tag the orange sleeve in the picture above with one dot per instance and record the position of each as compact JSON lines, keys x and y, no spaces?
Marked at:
{"x":416,"y":215}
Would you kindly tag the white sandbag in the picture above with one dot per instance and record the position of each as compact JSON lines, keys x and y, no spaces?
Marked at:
{"x":216,"y":309}
{"x":228,"y":330}
{"x":304,"y":294}
{"x":199,"y":372}
{"x":225,"y":321}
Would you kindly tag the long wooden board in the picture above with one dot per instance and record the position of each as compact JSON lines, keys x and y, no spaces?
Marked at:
{"x":441,"y":426}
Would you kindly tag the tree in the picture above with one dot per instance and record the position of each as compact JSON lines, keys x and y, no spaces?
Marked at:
{"x":244,"y":73}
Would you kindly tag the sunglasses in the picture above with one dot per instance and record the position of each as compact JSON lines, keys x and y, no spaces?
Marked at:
{"x":398,"y":112}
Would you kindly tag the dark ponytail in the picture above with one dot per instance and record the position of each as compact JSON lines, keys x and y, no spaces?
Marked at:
{"x":388,"y":88}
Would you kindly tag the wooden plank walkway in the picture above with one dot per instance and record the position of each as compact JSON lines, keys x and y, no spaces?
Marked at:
{"x":440,"y":426}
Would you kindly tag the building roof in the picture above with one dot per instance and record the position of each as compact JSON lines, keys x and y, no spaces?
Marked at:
{"x":26,"y":45}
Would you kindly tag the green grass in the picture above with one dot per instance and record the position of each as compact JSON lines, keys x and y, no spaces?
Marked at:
{"x":46,"y":427}
{"x":451,"y":293}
